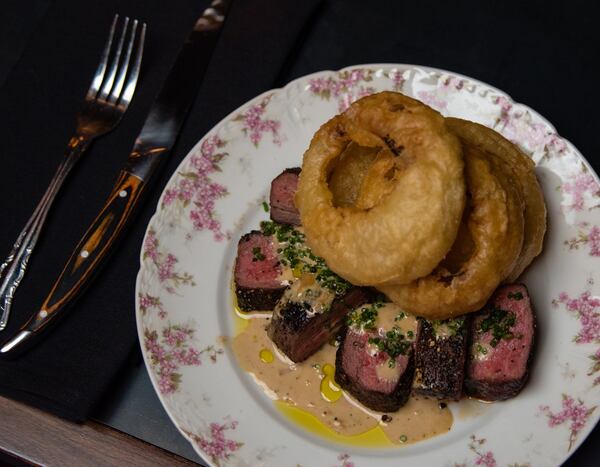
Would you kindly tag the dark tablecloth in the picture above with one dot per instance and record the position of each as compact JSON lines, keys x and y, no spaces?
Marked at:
{"x":75,"y":364}
{"x":541,"y":53}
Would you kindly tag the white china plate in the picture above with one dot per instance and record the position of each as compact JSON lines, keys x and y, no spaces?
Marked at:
{"x":184,"y":303}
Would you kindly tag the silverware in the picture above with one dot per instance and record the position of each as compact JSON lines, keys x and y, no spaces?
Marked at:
{"x":105,"y":103}
{"x":151,"y":148}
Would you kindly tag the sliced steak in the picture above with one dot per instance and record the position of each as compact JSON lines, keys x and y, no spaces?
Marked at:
{"x":299,"y":329}
{"x":440,"y":354}
{"x":502,"y":342}
{"x":281,"y":198}
{"x":257,"y":273}
{"x":365,"y":368}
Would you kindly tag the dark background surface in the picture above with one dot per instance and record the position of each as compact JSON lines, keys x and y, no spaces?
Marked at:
{"x":541,"y":53}
{"x":72,"y":367}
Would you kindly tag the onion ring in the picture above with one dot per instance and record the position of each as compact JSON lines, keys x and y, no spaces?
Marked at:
{"x":523,"y":169}
{"x":495,"y":223}
{"x":401,"y":229}
{"x":348,"y":173}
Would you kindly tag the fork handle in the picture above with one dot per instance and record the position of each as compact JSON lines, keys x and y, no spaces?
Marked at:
{"x":89,"y":255}
{"x":14,"y":266}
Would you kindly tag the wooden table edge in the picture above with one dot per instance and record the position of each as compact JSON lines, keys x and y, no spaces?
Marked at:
{"x":36,"y":437}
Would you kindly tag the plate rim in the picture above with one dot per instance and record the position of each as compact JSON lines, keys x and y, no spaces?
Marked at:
{"x":584,"y":433}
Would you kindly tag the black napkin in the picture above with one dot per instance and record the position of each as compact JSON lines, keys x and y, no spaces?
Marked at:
{"x":78,"y":362}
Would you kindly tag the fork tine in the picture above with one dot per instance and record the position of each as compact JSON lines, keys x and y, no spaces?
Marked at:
{"x":110,"y":78}
{"x":99,"y":76}
{"x":135,"y":71}
{"x":122,"y":72}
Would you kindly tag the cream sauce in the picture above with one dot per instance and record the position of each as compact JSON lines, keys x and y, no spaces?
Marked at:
{"x":388,"y":372}
{"x":309,"y":386}
{"x":481,"y":351}
{"x":306,"y":290}
{"x":390,"y":315}
{"x":443,"y":331}
{"x":447,"y":328}
{"x":286,"y":276}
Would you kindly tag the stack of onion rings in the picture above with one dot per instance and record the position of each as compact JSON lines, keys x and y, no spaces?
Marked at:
{"x":406,"y":218}
{"x":523,"y":169}
{"x":382,"y":199}
{"x":495,"y":224}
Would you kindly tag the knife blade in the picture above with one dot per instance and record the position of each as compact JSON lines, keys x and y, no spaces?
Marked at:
{"x":152,"y":147}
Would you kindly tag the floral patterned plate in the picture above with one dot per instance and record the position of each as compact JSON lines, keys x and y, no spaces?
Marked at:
{"x":184,"y":300}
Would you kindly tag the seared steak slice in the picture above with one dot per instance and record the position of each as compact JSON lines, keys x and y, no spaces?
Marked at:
{"x":375,"y":361}
{"x":257,"y":273}
{"x":281,"y":198}
{"x":502,"y":343}
{"x":440,"y":354}
{"x":299,"y":330}
{"x":367,"y":375}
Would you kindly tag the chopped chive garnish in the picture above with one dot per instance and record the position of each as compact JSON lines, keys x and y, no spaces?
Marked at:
{"x":257,"y":254}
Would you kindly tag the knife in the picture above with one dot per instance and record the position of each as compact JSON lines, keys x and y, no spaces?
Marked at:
{"x":151,"y":148}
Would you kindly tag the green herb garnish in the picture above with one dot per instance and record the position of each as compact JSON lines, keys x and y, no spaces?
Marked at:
{"x":268,"y":227}
{"x":499,"y":323}
{"x":294,"y":253}
{"x":449,"y":327}
{"x":400,"y":316}
{"x":515,"y":296}
{"x":257,"y":254}
{"x":394,"y":344}
{"x":363,"y":318}
{"x":265,"y":206}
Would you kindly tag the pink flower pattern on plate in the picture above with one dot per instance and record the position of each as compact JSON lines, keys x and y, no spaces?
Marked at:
{"x":344,"y":460}
{"x":581,"y":186}
{"x":149,"y":302}
{"x":518,"y":126}
{"x":215,"y":444}
{"x":439,"y":97}
{"x":398,"y":80}
{"x":483,"y":458}
{"x":572,"y":410}
{"x":255,"y":125}
{"x":588,"y":235}
{"x":346,"y":88}
{"x":595,"y":358}
{"x":173,"y":350}
{"x":165,"y":264}
{"x":587,"y":309}
{"x":195,"y":188}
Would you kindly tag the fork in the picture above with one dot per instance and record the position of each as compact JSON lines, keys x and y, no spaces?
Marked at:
{"x":106,"y":101}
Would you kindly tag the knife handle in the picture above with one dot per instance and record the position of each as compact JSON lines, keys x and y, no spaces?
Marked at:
{"x":95,"y":246}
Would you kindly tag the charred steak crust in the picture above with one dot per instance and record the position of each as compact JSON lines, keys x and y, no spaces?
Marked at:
{"x":292,"y":170}
{"x":249,"y":296}
{"x":375,"y":400}
{"x":439,"y":362}
{"x":257,"y":299}
{"x":281,"y":197}
{"x":299,"y":336}
{"x":490,"y":390}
